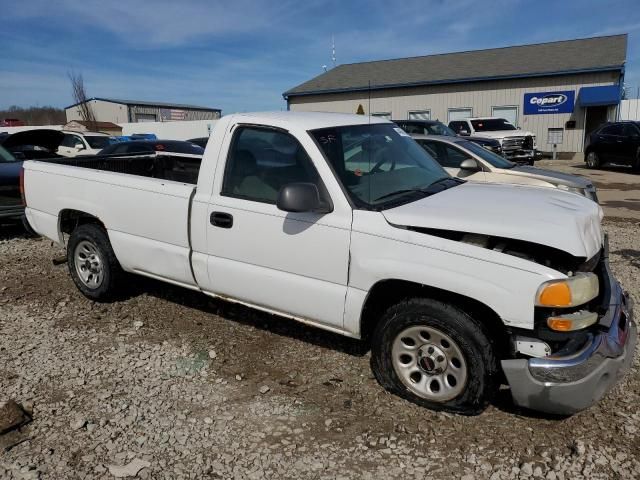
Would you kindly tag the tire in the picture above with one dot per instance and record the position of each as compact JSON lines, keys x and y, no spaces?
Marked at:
{"x":636,"y":164}
{"x":468,"y":356}
{"x":28,"y":229}
{"x":93,"y":266}
{"x":593,"y":160}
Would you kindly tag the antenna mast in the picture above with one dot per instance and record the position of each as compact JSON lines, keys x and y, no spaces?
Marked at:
{"x":333,"y":50}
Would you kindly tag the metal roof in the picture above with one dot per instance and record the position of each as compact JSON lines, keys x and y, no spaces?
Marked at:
{"x":149,"y":104}
{"x":542,"y":59}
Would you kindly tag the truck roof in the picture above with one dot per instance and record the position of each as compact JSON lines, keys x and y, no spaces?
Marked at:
{"x":306,"y":120}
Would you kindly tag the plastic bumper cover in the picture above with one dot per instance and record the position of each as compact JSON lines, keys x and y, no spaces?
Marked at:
{"x":565,"y":385}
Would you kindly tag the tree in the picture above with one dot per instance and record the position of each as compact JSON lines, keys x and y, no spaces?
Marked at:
{"x":80,"y":97}
{"x":360,"y":110}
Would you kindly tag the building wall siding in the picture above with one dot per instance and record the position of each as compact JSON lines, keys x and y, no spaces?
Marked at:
{"x":120,"y":113}
{"x":480,"y":96}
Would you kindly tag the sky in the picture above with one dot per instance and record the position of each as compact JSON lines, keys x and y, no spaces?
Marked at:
{"x":240,"y":55}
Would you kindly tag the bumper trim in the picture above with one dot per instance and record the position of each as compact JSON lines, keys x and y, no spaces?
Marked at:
{"x":565,"y":385}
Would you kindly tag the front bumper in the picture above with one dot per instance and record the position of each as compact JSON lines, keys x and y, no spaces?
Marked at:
{"x":564,"y":384}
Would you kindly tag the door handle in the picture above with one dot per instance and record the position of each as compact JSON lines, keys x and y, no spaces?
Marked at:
{"x":221,"y":219}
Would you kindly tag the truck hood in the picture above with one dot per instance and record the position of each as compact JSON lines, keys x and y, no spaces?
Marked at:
{"x":551,"y":176}
{"x":504,"y":134}
{"x":554,"y":218}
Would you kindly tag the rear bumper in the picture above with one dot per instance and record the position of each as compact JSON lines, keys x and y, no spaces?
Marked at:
{"x":569,"y":383}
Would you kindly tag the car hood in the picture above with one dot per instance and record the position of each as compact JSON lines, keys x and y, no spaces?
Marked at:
{"x":42,"y":137}
{"x":551,"y":176}
{"x":540,"y":215}
{"x":504,"y":134}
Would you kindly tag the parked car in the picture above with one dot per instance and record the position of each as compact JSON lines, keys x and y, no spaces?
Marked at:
{"x":83,"y":143}
{"x":200,"y":141}
{"x":348,"y":224}
{"x":150,"y":146}
{"x":464,"y":159}
{"x":34,"y":144}
{"x":435,"y":127}
{"x":517,"y":145}
{"x":614,"y":142}
{"x":11,"y":203}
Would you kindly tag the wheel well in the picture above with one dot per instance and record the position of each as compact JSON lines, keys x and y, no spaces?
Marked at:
{"x":69,"y":220}
{"x":386,"y":293}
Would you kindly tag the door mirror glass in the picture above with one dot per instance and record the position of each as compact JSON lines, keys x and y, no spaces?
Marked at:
{"x":470,"y":165}
{"x":299,"y":197}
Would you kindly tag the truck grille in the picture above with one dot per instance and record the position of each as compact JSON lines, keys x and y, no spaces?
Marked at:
{"x":510,"y":144}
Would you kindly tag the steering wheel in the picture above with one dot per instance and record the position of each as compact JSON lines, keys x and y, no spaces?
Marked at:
{"x":376,"y":168}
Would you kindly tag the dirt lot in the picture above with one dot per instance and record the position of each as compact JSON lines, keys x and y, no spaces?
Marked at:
{"x":197,"y":388}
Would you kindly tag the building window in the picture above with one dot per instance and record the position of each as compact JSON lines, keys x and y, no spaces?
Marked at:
{"x":509,"y":113}
{"x":459,"y":113}
{"x":146,"y":117}
{"x":419,"y":115}
{"x":386,"y":115}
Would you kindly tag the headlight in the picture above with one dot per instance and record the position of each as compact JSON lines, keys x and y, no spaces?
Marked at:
{"x":571,"y":292}
{"x":579,"y":191}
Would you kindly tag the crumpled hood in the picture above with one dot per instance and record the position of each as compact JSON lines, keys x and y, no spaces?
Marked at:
{"x":551,"y":176}
{"x":540,"y":215}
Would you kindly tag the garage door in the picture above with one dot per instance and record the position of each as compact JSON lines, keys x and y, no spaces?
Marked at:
{"x":420,"y":115}
{"x":459,"y":114}
{"x":510,"y":114}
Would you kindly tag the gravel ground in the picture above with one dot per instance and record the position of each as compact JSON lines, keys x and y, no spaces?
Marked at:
{"x":172,"y":384}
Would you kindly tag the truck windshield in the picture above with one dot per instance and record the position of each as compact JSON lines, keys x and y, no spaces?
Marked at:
{"x":380,"y":165}
{"x":493,"y":158}
{"x":491,"y":125}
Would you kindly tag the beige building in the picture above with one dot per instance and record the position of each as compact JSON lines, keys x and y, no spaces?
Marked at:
{"x":557,"y":90}
{"x":132,"y":111}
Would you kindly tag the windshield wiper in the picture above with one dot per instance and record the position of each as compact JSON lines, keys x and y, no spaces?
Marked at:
{"x":400,"y":192}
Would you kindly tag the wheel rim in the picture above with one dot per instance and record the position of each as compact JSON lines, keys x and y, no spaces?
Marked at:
{"x":429,"y":363}
{"x":88,"y":263}
{"x":591,"y":159}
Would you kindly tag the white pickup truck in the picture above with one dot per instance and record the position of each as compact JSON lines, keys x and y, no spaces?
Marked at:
{"x":347,"y":224}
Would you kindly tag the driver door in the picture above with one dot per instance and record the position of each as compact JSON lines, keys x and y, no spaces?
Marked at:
{"x":293,"y":263}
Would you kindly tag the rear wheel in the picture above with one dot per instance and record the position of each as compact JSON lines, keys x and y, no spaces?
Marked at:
{"x":93,"y":266}
{"x":434,"y":355}
{"x":593,"y":160}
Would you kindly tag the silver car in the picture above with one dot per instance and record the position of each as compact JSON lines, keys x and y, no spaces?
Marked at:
{"x":465,"y":159}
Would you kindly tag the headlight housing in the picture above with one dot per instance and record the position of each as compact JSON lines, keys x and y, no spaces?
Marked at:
{"x":570,"y":292}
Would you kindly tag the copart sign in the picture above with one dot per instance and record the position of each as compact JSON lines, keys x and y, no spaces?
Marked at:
{"x":549,"y":102}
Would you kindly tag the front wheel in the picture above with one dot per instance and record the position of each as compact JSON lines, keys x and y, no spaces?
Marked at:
{"x":434,"y":355}
{"x":93,"y":266}
{"x":593,"y":160}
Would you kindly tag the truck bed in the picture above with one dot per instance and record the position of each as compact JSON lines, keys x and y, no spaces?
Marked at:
{"x":179,"y":167}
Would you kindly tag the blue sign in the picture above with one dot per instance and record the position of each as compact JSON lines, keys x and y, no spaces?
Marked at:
{"x":549,"y":102}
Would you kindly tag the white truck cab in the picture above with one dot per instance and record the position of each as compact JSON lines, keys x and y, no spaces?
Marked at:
{"x":517,"y":145}
{"x":347,"y":224}
{"x":82,"y":143}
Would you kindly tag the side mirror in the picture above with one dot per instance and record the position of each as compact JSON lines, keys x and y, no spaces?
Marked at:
{"x":79,"y":146}
{"x":464,"y":132}
{"x":300,"y":197}
{"x":470,"y":165}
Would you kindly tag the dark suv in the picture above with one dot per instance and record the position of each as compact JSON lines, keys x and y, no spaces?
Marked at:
{"x":614,"y":142}
{"x":435,"y":127}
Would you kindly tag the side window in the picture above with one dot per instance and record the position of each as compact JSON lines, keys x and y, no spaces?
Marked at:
{"x":614,"y":129}
{"x":261,"y":161}
{"x":629,"y":130}
{"x":68,"y":140}
{"x":77,"y":141}
{"x":413,"y":128}
{"x":452,"y":157}
{"x":435,"y":149}
{"x":457,"y":126}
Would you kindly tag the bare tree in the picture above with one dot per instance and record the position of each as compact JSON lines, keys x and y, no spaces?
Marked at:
{"x":80,"y":97}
